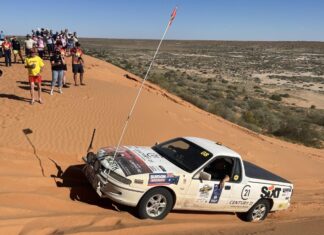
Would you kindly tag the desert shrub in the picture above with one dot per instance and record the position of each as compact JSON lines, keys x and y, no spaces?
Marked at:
{"x":255,"y":104}
{"x":257,"y":79}
{"x":295,"y":129}
{"x":193,"y":99}
{"x":267,"y":120}
{"x":248,"y":117}
{"x":276,"y":97}
{"x":286,"y":95}
{"x":223,"y":111}
{"x":316,"y":117}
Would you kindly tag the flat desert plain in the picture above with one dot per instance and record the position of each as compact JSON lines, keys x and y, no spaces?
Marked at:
{"x":43,"y":191}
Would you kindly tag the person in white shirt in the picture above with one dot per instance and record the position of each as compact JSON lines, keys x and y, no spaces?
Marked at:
{"x":29,"y":44}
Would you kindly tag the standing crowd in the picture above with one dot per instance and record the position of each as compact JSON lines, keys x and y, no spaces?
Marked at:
{"x":43,"y":44}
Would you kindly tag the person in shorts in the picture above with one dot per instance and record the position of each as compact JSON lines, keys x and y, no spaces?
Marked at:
{"x":16,"y":49}
{"x":34,"y":64}
{"x":77,"y":64}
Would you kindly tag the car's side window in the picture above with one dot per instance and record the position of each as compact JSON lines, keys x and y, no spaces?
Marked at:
{"x":219,"y":168}
{"x":224,"y":166}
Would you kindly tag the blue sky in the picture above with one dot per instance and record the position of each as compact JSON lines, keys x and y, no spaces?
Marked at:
{"x":196,"y":19}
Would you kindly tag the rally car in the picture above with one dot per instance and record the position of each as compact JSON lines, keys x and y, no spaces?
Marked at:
{"x":186,"y":173}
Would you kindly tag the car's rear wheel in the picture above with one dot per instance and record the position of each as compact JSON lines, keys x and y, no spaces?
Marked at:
{"x":155,"y":204}
{"x":258,"y":211}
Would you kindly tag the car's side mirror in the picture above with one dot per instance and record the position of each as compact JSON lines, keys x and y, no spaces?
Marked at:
{"x":204,"y":176}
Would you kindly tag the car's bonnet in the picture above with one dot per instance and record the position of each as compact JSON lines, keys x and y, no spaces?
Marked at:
{"x":133,"y":160}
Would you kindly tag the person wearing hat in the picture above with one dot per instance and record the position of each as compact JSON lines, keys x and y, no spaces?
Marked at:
{"x":16,"y":49}
{"x":34,"y":64}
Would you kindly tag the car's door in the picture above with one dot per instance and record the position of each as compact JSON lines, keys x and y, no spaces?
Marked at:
{"x":208,"y":195}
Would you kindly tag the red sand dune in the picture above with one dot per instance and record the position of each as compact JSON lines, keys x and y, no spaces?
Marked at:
{"x":36,"y":199}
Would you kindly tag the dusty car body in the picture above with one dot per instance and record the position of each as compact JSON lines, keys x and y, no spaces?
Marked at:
{"x":182,"y":174}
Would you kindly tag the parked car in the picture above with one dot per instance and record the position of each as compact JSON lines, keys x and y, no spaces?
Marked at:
{"x":185,"y":174}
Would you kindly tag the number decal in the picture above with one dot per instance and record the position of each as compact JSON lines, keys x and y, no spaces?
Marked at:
{"x":246,"y":192}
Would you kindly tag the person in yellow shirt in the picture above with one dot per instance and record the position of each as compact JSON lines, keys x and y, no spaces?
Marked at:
{"x":34,"y":64}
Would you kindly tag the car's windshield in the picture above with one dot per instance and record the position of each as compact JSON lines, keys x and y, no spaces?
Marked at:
{"x":184,"y":154}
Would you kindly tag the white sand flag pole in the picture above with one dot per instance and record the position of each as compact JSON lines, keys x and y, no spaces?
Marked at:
{"x":173,"y":15}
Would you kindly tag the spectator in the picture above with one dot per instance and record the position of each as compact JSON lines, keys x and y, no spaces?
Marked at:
{"x":77,"y":64}
{"x":6,"y":46}
{"x":16,"y":49}
{"x":34,"y":64}
{"x":29,"y":44}
{"x":40,"y":46}
{"x":57,"y":62}
{"x":50,"y":44}
{"x":2,"y":35}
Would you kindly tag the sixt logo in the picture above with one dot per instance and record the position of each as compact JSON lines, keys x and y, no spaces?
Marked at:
{"x":270,"y":192}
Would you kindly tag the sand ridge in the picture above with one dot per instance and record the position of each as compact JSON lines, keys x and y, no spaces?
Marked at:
{"x":42,"y":189}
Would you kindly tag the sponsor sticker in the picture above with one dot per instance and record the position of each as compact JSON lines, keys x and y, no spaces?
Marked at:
{"x":216,"y":194}
{"x":131,"y":164}
{"x":240,"y":204}
{"x":205,"y":154}
{"x":245,"y":194}
{"x":209,"y":193}
{"x":270,"y":192}
{"x":236,"y":177}
{"x":163,"y":179}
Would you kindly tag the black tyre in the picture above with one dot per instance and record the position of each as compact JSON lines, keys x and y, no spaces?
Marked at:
{"x":258,"y":211}
{"x":155,"y":204}
{"x":91,"y":158}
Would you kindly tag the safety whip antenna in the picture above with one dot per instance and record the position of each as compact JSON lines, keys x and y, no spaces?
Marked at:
{"x":173,"y":15}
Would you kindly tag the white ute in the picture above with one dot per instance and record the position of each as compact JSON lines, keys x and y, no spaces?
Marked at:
{"x":186,"y":174}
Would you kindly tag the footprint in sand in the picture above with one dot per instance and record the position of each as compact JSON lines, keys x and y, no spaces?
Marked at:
{"x":87,"y":97}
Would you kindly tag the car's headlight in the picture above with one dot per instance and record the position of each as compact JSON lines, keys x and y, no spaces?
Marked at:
{"x":120,"y":178}
{"x":101,"y":153}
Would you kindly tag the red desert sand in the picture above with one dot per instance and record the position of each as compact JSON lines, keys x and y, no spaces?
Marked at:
{"x":43,"y":192}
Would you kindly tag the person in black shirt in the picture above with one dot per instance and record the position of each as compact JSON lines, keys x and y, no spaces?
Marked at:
{"x":16,"y":49}
{"x":221,"y":170}
{"x":58,"y":64}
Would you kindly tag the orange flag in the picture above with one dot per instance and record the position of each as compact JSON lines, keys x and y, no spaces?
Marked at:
{"x":173,"y":15}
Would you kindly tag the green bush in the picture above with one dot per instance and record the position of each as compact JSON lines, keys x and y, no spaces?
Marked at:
{"x":276,"y":97}
{"x":292,"y":128}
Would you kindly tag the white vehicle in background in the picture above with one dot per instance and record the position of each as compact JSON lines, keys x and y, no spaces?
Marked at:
{"x":186,"y":174}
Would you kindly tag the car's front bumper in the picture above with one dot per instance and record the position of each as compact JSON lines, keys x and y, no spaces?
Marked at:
{"x":112,"y":189}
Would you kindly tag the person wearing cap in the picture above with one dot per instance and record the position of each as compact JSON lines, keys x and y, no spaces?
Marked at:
{"x":58,"y":63}
{"x":34,"y":64}
{"x":6,"y":47}
{"x":29,"y":44}
{"x":16,"y":49}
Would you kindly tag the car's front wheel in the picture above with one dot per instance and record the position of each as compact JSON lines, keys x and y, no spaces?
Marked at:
{"x":155,"y":204}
